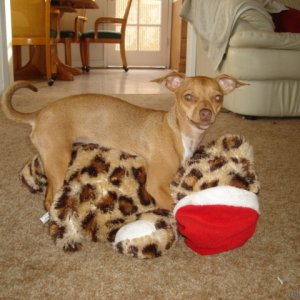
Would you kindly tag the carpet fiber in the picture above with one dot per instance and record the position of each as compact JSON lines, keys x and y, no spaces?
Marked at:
{"x":266,"y":267}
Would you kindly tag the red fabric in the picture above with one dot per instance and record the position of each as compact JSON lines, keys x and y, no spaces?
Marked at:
{"x":287,"y":21}
{"x":212,"y":229}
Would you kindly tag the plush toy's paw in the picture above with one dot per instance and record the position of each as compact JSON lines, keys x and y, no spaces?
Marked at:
{"x":32,"y":176}
{"x":66,"y":238}
{"x":149,"y":237}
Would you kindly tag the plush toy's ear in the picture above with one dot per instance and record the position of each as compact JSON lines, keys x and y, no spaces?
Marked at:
{"x":228,"y":83}
{"x":173,"y":80}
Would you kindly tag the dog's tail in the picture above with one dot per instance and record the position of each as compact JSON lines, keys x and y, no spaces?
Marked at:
{"x":7,"y":107}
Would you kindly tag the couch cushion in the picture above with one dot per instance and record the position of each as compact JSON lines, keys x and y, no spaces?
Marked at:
{"x":287,"y":21}
{"x":255,"y":20}
{"x":290,"y":3}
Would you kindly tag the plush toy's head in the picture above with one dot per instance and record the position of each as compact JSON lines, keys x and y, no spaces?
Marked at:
{"x":216,"y":196}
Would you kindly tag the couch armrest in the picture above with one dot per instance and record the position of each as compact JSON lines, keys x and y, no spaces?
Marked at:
{"x":265,"y":39}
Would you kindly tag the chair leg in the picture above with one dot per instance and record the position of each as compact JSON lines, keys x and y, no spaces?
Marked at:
{"x":82,"y":56}
{"x":51,"y":66}
{"x":123,"y":56}
{"x":85,"y":55}
{"x":68,"y":52}
{"x":17,"y":57}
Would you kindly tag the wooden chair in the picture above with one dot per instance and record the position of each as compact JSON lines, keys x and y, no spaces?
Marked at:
{"x":67,"y":37}
{"x":105,"y":36}
{"x":31,"y":27}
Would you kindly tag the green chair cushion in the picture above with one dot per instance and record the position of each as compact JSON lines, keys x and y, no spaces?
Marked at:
{"x":103,"y":34}
{"x":53,"y":34}
{"x":68,"y":34}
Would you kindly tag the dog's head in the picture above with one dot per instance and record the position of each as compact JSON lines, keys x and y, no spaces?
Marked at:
{"x":200,"y":98}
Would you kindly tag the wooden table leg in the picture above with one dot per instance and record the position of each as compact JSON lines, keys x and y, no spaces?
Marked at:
{"x":65,"y":72}
{"x":36,"y":65}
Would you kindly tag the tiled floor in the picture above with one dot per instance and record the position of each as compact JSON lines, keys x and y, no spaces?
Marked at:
{"x":109,"y":81}
{"x":135,"y":86}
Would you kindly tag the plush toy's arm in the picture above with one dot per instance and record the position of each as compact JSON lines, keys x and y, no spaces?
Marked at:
{"x":150,"y":236}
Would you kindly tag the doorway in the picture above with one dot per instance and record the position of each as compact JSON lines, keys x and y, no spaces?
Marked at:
{"x":147,"y":33}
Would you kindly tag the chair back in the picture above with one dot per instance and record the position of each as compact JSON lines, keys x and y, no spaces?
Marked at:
{"x":125,"y":17}
{"x":80,"y":26}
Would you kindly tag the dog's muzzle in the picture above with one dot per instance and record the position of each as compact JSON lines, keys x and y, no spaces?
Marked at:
{"x":205,"y":116}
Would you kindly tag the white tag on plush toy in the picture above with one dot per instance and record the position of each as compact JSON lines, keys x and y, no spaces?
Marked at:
{"x":45,"y":218}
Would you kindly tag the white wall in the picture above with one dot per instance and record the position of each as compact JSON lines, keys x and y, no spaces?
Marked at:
{"x":6,"y":64}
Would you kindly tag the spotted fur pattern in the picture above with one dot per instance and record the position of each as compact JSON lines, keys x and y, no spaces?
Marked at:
{"x":226,"y":161}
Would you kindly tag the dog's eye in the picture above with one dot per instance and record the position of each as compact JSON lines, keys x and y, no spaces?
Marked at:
{"x":218,"y":98}
{"x":189,"y":97}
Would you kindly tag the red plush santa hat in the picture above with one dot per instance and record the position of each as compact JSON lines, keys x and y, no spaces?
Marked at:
{"x":217,"y":219}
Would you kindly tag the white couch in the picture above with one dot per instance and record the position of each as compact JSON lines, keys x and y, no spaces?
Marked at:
{"x":267,"y":60}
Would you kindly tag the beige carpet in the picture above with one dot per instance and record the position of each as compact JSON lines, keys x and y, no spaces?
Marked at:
{"x":266,"y":267}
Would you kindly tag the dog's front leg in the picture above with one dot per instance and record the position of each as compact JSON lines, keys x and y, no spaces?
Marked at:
{"x":158,"y":184}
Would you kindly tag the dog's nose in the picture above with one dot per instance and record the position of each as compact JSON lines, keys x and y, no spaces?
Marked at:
{"x":205,"y":115}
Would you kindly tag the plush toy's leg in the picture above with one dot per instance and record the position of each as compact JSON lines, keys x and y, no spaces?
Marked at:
{"x":150,"y":236}
{"x":64,"y":225}
{"x":68,"y":238}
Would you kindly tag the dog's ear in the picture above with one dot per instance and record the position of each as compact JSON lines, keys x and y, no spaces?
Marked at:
{"x":173,"y":80}
{"x":228,"y":83}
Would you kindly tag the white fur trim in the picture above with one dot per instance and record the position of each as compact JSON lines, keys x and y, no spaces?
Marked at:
{"x":221,"y":195}
{"x":134,"y":230}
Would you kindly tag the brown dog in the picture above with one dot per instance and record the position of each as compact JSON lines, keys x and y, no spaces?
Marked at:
{"x":163,"y":139}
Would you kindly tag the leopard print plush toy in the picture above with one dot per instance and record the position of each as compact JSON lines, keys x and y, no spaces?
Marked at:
{"x":104,"y":199}
{"x":104,"y":196}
